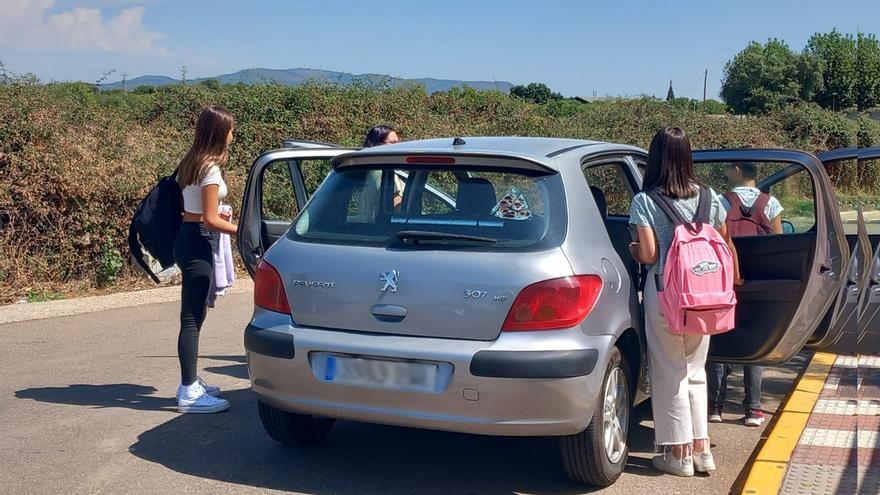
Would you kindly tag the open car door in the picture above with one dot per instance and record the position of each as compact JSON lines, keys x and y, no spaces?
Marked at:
{"x":278,"y":187}
{"x":853,"y":171}
{"x":869,"y":309}
{"x":792,"y":275}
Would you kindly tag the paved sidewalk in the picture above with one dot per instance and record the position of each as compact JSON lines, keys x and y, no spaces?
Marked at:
{"x":827,"y":438}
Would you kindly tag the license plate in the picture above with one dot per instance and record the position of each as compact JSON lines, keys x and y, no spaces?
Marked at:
{"x":378,"y":373}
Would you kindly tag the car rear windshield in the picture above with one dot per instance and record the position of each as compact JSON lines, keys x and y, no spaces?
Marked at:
{"x":441,"y":207}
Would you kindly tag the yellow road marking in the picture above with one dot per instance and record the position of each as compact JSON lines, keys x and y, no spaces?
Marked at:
{"x":768,"y":470}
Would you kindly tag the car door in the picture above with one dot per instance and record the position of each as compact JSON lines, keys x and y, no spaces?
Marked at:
{"x":278,"y":186}
{"x":792,"y":276}
{"x":850,"y":171}
{"x":869,"y":309}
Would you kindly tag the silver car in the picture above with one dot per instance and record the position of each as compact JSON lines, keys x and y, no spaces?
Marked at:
{"x":498,"y":297}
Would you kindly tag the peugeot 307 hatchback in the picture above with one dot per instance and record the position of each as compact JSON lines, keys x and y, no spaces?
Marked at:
{"x":484,"y":285}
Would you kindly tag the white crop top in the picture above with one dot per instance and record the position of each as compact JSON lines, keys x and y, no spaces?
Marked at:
{"x":192,"y":195}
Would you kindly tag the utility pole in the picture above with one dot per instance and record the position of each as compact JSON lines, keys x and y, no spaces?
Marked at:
{"x":705,"y":79}
{"x":183,"y":74}
{"x":124,"y":77}
{"x":103,"y":78}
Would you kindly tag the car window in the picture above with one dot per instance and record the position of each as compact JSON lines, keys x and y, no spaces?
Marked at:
{"x":279,"y":198}
{"x":856,"y":183}
{"x":518,"y":210}
{"x":790,"y":202}
{"x":610,"y":178}
{"x":313,"y":173}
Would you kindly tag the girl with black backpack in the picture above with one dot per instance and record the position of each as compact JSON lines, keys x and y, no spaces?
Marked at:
{"x":203,"y":189}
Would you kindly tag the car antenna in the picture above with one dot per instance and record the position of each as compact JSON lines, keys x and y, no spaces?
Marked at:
{"x":458,"y":142}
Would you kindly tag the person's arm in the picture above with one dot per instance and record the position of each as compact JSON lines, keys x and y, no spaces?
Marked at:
{"x":776,"y":224}
{"x":644,"y":250}
{"x":210,"y":216}
{"x":737,"y":279}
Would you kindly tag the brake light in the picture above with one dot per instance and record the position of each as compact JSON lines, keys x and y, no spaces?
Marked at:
{"x":442,"y":160}
{"x":553,"y":304}
{"x":269,"y":290}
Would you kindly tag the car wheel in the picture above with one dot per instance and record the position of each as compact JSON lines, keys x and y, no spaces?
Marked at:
{"x":597,"y":455}
{"x":293,"y":429}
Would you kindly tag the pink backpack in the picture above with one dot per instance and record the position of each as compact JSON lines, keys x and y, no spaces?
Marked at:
{"x":696,"y":294}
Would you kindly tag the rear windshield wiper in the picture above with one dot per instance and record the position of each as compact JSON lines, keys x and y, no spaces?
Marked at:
{"x":425,"y":237}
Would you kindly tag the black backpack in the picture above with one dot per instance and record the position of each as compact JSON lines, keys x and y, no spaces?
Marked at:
{"x":155,"y":224}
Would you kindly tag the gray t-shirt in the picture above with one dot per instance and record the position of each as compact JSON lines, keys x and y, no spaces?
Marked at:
{"x":646,"y":213}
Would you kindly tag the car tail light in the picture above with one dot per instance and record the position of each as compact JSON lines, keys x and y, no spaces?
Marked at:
{"x":269,"y":290}
{"x":553,"y":304}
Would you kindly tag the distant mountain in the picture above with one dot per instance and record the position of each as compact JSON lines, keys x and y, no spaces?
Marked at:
{"x":296,"y":77}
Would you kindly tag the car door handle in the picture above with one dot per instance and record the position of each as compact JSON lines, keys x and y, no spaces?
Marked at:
{"x":388,"y":312}
{"x":826,"y":271}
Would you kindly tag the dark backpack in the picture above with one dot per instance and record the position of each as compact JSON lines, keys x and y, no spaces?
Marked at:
{"x":745,"y":220}
{"x":155,"y":224}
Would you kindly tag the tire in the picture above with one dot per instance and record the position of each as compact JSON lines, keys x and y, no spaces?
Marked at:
{"x":584,"y":455}
{"x":293,"y":429}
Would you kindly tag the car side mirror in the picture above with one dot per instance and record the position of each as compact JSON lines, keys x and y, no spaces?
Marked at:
{"x":787,"y":227}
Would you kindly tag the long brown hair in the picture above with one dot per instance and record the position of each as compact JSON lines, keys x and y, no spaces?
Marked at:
{"x":670,"y":165}
{"x":209,"y":145}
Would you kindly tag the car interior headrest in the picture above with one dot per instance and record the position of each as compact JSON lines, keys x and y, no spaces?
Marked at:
{"x":475,"y":196}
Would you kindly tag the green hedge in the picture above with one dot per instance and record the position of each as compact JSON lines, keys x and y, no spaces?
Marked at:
{"x":74,"y":162}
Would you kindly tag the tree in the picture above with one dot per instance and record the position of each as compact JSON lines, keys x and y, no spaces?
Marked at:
{"x":867,"y":71}
{"x":536,"y":92}
{"x":212,"y":84}
{"x":763,"y":77}
{"x":836,"y":53}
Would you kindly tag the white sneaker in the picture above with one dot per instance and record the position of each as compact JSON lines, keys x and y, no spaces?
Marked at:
{"x":202,"y":404}
{"x":667,"y":463}
{"x":704,"y":462}
{"x":211,"y":390}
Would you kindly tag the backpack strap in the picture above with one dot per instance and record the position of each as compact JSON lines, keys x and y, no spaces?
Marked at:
{"x":761,"y":203}
{"x":704,"y":207}
{"x":137,"y":253}
{"x":667,"y":207}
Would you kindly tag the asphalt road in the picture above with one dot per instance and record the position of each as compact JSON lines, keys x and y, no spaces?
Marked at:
{"x":86,"y":406}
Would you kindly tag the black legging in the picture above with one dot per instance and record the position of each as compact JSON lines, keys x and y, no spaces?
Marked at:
{"x":194,"y":255}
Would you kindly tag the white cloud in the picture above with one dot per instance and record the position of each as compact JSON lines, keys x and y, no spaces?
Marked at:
{"x":27,"y":25}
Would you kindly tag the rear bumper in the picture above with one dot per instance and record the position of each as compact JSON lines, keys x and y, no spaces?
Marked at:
{"x":528,"y":384}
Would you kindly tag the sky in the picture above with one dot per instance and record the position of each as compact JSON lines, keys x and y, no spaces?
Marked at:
{"x":579,"y":48}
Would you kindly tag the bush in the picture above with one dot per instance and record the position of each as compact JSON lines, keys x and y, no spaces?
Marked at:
{"x":74,"y":163}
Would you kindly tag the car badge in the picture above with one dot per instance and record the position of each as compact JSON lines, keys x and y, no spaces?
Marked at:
{"x":390,"y":280}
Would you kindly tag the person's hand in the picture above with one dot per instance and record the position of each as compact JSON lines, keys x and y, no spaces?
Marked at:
{"x":225,"y":215}
{"x":739,"y":281}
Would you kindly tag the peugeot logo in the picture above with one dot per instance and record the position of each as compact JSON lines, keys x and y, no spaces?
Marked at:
{"x":390,"y":280}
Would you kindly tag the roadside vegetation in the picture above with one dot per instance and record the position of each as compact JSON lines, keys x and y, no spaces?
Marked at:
{"x":74,"y":162}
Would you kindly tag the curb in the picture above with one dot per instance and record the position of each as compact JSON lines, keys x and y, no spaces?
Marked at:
{"x":768,"y":469}
{"x":15,"y":313}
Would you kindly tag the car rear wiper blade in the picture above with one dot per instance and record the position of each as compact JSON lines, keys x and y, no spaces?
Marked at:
{"x":422,"y":236}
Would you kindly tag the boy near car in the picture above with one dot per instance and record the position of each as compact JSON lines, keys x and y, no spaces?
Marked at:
{"x":750,"y":211}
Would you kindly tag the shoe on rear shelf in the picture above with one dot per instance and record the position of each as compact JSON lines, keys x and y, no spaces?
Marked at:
{"x":715,"y":414}
{"x":754,"y":417}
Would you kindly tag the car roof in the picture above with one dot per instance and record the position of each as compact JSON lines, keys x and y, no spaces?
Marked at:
{"x":536,"y":149}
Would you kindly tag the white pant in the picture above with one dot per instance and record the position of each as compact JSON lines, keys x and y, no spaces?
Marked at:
{"x":677,"y":364}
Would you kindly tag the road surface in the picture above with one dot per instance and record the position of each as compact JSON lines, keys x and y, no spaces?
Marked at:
{"x":86,"y":406}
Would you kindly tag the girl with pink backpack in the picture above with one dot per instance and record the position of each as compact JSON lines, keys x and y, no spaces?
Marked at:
{"x":681,"y":237}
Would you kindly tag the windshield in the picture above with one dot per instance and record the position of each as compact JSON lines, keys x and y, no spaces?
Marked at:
{"x":479,"y":208}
